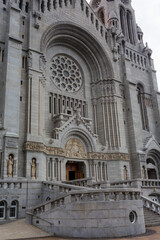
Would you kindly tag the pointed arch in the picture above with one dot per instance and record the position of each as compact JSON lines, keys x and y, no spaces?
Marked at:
{"x":142,"y":105}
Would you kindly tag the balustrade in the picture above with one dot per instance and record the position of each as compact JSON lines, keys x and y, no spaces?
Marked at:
{"x":11,"y":185}
{"x":109,"y":195}
{"x":136,"y":58}
{"x":151,"y":205}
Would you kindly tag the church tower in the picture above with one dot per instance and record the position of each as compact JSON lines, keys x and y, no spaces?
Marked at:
{"x":138,"y":78}
{"x":119,"y":14}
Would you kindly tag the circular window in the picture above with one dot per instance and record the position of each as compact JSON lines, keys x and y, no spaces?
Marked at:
{"x":133,"y":217}
{"x":65,"y":73}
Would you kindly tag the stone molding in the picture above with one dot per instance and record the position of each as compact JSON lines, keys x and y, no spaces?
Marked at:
{"x":40,"y":147}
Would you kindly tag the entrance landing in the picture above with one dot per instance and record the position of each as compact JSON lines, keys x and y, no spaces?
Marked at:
{"x":19,"y":230}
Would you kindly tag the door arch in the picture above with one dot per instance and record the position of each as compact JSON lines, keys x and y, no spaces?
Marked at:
{"x":75,"y":170}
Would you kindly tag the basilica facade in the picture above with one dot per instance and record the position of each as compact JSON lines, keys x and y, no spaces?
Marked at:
{"x":78,"y":92}
{"x":79,"y":118}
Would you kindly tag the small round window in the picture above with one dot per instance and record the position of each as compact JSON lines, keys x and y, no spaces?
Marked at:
{"x":133,"y":217}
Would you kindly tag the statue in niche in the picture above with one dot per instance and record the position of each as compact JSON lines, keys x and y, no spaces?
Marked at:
{"x":125,"y":173}
{"x":33,"y":169}
{"x":143,"y":173}
{"x":78,"y":115}
{"x":10,"y":166}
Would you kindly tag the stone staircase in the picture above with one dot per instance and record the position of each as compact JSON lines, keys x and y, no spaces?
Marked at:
{"x":89,"y":213}
{"x":151,"y":218}
{"x":151,"y":212}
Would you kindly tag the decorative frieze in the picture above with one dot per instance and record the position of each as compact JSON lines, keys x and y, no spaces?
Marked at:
{"x":40,"y":147}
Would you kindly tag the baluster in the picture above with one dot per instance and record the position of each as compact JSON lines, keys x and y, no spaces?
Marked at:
{"x":61,"y":201}
{"x":77,"y":197}
{"x":56,"y":204}
{"x":66,"y":2}
{"x":117,"y":197}
{"x":107,"y":197}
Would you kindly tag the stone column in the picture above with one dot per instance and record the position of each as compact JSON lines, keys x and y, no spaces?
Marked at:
{"x":105,"y":171}
{"x":96,"y":172}
{"x":47,"y":169}
{"x":52,"y":169}
{"x":62,"y":170}
{"x":59,"y":170}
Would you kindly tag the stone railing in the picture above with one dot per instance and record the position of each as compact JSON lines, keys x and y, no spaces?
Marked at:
{"x":151,"y":205}
{"x":80,"y":5}
{"x":11,"y":184}
{"x":127,"y":183}
{"x":85,"y":182}
{"x":138,"y":60}
{"x":150,"y":183}
{"x":89,"y":183}
{"x":86,"y":196}
{"x":140,"y":183}
{"x":61,"y":187}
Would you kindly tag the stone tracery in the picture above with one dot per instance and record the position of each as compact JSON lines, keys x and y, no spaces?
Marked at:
{"x":65,"y":73}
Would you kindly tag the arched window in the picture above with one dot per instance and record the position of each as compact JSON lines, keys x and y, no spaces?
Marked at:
{"x":20,"y":4}
{"x":13,"y":209}
{"x":42,"y":6}
{"x":130,"y":27}
{"x":151,"y":161}
{"x":152,"y":169}
{"x":48,"y":199}
{"x":3,"y":210}
{"x":101,"y":15}
{"x":122,"y":18}
{"x":143,"y":109}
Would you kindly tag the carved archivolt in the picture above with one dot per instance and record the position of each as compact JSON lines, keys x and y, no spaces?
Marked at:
{"x":76,"y":149}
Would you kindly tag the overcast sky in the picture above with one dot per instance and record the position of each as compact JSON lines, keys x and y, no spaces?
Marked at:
{"x":148,"y":18}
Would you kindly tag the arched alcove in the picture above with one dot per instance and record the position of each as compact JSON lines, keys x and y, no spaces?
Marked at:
{"x":153,"y":164}
{"x":85,"y":44}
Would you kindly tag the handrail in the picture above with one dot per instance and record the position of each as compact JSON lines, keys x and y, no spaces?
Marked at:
{"x":42,"y":219}
{"x":88,"y":195}
{"x":151,"y":205}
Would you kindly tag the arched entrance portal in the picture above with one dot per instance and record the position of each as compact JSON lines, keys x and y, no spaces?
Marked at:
{"x":152,"y":169}
{"x":75,"y":170}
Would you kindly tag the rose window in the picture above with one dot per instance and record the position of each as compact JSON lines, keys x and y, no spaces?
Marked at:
{"x":65,"y":73}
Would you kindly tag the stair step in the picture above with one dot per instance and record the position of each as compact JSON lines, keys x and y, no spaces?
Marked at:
{"x":151,"y":218}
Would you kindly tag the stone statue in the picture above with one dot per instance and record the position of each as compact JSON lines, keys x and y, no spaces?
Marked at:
{"x":10,"y":166}
{"x":125,"y":173}
{"x":143,"y":173}
{"x":33,"y":168}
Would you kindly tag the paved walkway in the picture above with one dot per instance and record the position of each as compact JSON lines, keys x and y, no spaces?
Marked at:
{"x":19,"y":230}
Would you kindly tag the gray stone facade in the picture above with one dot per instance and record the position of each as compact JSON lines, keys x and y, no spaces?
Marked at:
{"x":72,"y":72}
{"x":78,"y":93}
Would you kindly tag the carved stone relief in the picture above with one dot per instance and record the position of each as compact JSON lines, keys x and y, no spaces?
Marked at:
{"x":75,"y":149}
